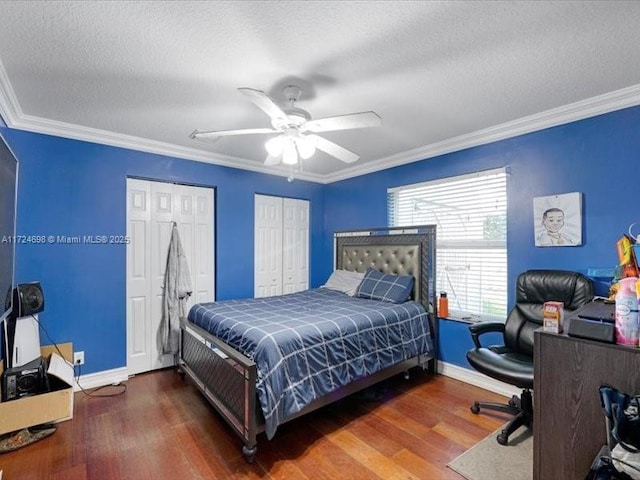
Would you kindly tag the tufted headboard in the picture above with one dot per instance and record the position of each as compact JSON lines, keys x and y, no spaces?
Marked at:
{"x":394,"y":259}
{"x":399,"y":251}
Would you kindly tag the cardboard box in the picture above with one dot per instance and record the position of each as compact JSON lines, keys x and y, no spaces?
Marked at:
{"x":49,"y":407}
{"x":552,"y":317}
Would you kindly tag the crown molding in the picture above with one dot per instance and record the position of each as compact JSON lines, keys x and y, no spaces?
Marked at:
{"x":9,"y":107}
{"x":14,"y":117}
{"x":591,"y":107}
{"x":104,"y":137}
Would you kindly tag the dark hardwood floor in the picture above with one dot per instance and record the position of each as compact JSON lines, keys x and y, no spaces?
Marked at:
{"x":163,"y":428}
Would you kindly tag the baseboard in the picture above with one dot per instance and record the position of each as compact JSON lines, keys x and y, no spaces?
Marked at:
{"x":99,"y":379}
{"x":472,"y":377}
{"x":478,"y":379}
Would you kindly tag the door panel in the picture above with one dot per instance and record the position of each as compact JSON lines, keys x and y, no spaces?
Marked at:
{"x":202,"y":267}
{"x":296,"y":245}
{"x":138,"y":275}
{"x":268,"y":246}
{"x":162,"y":215}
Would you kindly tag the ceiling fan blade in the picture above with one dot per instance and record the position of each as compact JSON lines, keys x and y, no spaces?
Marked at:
{"x":271,"y":160}
{"x":343,"y":122}
{"x":333,"y":149}
{"x":198,"y":134}
{"x":264,"y":103}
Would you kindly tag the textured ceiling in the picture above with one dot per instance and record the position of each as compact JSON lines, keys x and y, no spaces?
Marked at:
{"x":442,"y":75}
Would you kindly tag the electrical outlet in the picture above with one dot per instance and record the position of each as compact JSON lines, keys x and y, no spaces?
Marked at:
{"x":78,"y":358}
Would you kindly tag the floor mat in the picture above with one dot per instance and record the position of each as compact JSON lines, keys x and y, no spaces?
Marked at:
{"x":22,"y":438}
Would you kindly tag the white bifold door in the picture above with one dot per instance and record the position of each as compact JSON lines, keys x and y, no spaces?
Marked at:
{"x":152,"y":207}
{"x":281,"y":246}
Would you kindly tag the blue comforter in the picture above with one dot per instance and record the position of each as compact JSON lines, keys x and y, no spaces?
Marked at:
{"x":308,"y":344}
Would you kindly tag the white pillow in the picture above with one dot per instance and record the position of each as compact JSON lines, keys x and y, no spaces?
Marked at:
{"x":344,"y":281}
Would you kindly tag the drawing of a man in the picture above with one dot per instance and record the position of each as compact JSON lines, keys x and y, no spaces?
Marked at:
{"x":553,"y":221}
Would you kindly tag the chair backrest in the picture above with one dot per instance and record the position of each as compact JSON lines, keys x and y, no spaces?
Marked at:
{"x":533,"y":288}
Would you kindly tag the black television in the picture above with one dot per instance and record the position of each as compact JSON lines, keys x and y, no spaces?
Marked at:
{"x":8,"y":198}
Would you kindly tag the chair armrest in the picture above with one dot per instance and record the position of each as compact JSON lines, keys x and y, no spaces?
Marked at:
{"x":478,"y":329}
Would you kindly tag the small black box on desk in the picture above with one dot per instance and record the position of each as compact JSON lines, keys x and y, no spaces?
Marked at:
{"x":594,"y":321}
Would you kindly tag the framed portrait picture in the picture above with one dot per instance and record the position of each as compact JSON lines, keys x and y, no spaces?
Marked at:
{"x":557,"y":220}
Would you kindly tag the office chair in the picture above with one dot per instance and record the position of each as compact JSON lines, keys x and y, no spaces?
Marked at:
{"x":512,"y":362}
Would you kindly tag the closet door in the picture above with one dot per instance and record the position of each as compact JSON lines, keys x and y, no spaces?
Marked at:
{"x":163,"y":212}
{"x":202,"y":267}
{"x":138,"y":275}
{"x":281,"y":245}
{"x":152,"y":207}
{"x":268,"y":246}
{"x":193,"y":212}
{"x":295,"y":248}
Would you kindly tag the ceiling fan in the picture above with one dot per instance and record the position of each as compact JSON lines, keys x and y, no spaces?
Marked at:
{"x":297,"y":137}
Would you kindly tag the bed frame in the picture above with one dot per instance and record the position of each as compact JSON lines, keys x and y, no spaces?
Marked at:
{"x":227,"y":378}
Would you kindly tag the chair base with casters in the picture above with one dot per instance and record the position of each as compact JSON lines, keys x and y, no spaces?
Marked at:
{"x":521,"y":407}
{"x":508,"y":366}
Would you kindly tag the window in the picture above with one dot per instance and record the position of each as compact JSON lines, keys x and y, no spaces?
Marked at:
{"x":470,"y":212}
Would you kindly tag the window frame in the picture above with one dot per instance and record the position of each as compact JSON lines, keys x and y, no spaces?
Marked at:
{"x":499,"y":246}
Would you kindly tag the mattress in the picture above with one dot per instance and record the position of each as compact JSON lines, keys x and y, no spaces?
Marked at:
{"x":308,"y":344}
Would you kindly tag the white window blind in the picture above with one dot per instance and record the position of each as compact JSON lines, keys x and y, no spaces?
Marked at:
{"x":470,"y":212}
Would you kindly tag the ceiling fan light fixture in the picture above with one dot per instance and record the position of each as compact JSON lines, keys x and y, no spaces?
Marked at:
{"x":306,"y":148}
{"x":290,"y":154}
{"x":296,"y":133}
{"x":275,"y":146}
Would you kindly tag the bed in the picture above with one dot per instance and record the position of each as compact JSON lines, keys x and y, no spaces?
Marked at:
{"x":264,"y":362}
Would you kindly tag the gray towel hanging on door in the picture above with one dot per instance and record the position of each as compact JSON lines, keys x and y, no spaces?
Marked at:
{"x":177,"y":289}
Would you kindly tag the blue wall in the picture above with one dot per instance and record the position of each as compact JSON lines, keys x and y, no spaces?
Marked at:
{"x":69,"y":187}
{"x":596,"y":156}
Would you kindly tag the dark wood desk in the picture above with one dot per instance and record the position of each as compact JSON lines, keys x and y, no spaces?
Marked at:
{"x":568,"y":421}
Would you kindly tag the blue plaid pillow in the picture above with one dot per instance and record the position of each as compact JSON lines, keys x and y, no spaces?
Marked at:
{"x":388,"y":288}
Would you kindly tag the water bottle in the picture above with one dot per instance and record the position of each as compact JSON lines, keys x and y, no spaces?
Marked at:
{"x":443,"y":305}
{"x":627,"y":313}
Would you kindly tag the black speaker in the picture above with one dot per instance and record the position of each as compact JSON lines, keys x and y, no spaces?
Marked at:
{"x":28,"y":299}
{"x":29,"y":379}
